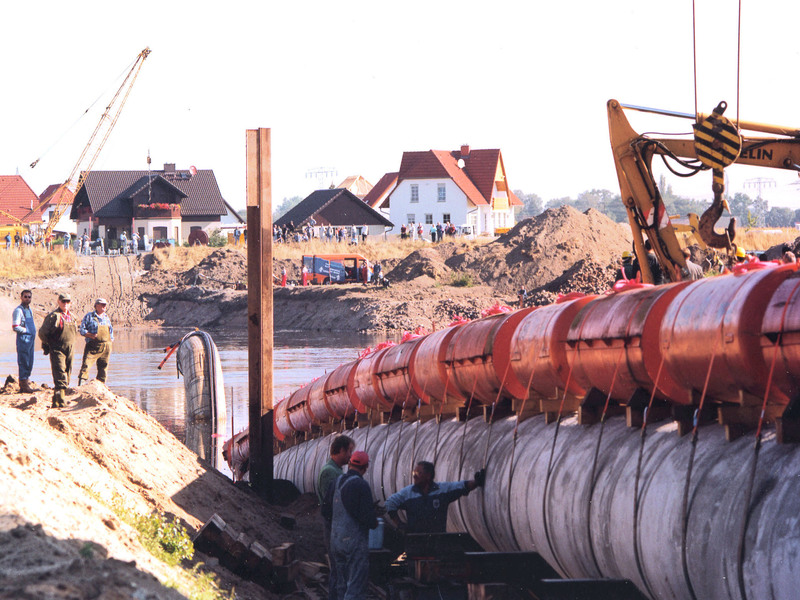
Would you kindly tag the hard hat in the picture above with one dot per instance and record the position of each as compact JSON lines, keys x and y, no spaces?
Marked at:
{"x":359,"y":458}
{"x":740,"y":252}
{"x":626,"y":254}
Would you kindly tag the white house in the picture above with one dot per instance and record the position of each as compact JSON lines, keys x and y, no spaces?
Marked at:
{"x":462,"y":187}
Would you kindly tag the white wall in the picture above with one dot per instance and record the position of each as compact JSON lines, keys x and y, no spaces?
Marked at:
{"x":400,"y":203}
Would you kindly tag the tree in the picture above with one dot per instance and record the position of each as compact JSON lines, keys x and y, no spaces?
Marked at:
{"x":780,"y":216}
{"x":532,"y":205}
{"x":285,"y":206}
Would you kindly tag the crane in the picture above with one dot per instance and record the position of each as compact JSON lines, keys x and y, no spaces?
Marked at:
{"x":67,"y":191}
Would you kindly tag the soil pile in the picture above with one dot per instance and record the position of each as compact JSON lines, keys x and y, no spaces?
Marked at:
{"x":64,"y":470}
{"x":223,"y":268}
{"x":560,"y":251}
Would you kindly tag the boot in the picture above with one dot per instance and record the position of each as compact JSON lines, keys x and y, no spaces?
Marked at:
{"x":25,"y":386}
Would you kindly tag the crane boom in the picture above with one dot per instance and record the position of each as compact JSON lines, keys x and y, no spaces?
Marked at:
{"x":67,"y":191}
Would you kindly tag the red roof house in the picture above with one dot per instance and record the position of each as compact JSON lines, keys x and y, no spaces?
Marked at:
{"x":462,"y":187}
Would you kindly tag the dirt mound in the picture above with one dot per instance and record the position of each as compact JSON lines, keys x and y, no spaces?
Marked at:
{"x":223,"y":268}
{"x":427,"y":261}
{"x":542,"y":253}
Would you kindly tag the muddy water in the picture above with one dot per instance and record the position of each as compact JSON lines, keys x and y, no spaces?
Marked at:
{"x":133,"y":372}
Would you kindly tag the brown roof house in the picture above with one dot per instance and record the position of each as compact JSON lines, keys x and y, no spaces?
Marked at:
{"x":162,"y":205}
{"x":463,"y":187}
{"x":337,"y":207}
{"x":356,"y":184}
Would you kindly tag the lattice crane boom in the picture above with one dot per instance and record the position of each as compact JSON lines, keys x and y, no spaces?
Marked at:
{"x":65,"y":194}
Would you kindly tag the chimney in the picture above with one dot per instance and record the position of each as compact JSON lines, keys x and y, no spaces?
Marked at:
{"x":169,"y":167}
{"x":464,"y":150}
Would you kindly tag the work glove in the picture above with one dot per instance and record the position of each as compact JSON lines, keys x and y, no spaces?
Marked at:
{"x":480,"y":478}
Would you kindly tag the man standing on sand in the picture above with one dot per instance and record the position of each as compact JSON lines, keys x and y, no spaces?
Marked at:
{"x":22,"y":323}
{"x":341,"y":450}
{"x":99,"y":333}
{"x":353,"y":517}
{"x":58,"y":335}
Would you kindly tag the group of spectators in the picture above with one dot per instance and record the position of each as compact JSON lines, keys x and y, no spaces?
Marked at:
{"x":713,"y":264}
{"x":26,"y":239}
{"x":288,"y":232}
{"x":416,"y":231}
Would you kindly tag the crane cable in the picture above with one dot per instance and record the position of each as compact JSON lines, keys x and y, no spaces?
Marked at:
{"x":83,"y":114}
{"x":738,"y":55}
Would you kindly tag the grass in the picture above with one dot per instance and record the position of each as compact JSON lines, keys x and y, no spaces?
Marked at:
{"x":761,"y":239}
{"x":167,"y":540}
{"x":179,"y":259}
{"x":21,"y":263}
{"x":755,"y":239}
{"x":461,"y":280}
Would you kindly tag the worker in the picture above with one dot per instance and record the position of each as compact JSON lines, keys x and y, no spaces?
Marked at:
{"x":426,"y":501}
{"x":740,"y":254}
{"x":284,"y":276}
{"x":22,"y":323}
{"x":305,"y":275}
{"x":626,"y":270}
{"x":522,"y":296}
{"x":353,"y":515}
{"x":693,"y":270}
{"x":652,"y":262}
{"x":340,"y":452}
{"x":236,"y":235}
{"x":58,"y":333}
{"x":99,"y":333}
{"x":135,"y":242}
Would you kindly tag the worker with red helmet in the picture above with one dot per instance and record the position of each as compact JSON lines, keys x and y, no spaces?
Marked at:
{"x":353,"y":516}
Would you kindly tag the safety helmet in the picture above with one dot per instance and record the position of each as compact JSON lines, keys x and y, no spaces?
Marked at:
{"x":626,"y":255}
{"x":740,"y":252}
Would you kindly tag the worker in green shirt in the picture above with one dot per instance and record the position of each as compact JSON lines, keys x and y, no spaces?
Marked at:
{"x":341,"y":449}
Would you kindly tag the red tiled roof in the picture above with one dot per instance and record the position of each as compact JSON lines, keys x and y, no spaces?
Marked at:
{"x":515,"y":201}
{"x":378,"y":193}
{"x":356,"y":184}
{"x":476,"y":179}
{"x":17,"y":198}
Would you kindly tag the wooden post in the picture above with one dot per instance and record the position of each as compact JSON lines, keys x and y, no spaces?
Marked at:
{"x":259,"y":307}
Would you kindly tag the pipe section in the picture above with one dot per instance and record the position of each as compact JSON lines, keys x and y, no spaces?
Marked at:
{"x":561,"y":497}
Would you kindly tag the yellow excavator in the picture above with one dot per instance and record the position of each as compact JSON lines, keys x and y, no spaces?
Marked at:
{"x":716,"y":144}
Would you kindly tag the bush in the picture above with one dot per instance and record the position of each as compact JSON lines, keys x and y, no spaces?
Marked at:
{"x":462,"y":280}
{"x":217,"y":239}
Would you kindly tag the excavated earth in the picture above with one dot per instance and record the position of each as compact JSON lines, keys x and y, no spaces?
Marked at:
{"x":64,"y":470}
{"x":558,"y":252}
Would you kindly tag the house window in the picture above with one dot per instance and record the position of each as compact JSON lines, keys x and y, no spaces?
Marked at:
{"x":414,"y":192}
{"x":160,"y":234}
{"x":442,"y":190}
{"x":411,"y":218}
{"x":445,"y":217}
{"x":428,"y":219}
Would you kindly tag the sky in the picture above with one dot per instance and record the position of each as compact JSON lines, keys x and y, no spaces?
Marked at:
{"x":347,"y":87}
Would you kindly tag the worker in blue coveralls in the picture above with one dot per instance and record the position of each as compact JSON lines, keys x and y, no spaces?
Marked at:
{"x":353,"y":517}
{"x":99,"y":333}
{"x":426,"y":501}
{"x":22,"y":323}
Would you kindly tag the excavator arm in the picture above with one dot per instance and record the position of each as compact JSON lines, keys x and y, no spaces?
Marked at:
{"x":633,"y":154}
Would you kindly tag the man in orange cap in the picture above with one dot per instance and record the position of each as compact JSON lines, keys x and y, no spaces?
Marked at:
{"x":353,"y":517}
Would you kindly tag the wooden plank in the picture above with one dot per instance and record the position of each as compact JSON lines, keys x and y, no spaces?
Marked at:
{"x":259,"y":306}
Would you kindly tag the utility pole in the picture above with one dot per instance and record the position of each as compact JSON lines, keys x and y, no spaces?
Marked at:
{"x":259,"y":307}
{"x":759,"y":183}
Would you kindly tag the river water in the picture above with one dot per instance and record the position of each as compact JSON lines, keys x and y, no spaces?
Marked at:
{"x":133,"y":372}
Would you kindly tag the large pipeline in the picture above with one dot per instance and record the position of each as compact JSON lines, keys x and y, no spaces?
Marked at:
{"x":580,"y":497}
{"x":681,"y":516}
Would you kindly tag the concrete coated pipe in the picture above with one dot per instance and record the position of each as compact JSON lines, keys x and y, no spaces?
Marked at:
{"x":571,"y":497}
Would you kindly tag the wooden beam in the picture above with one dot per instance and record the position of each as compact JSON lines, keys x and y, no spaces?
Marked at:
{"x":259,"y":306}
